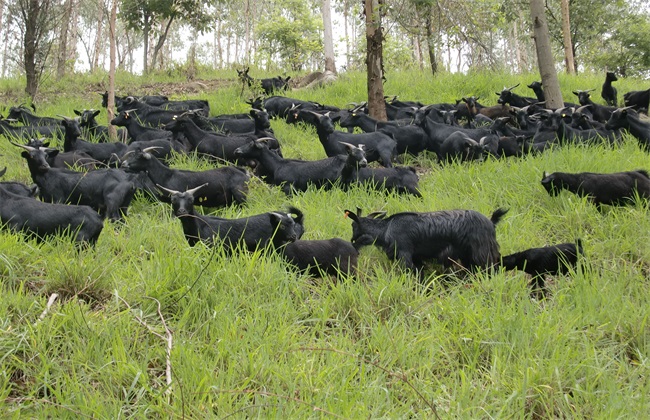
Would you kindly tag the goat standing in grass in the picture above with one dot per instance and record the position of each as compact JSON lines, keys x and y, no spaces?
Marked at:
{"x":465,"y":237}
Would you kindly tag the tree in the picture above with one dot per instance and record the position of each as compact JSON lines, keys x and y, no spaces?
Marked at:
{"x":144,"y":16}
{"x":37,"y":20}
{"x":566,"y":34}
{"x":328,"y":40}
{"x":374,"y":59}
{"x":112,"y":132}
{"x":545,"y":59}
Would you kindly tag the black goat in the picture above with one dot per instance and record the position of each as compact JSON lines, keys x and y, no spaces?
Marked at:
{"x":41,"y":220}
{"x":628,"y":119}
{"x":608,"y":92}
{"x":506,"y":96}
{"x":459,"y":146}
{"x":638,"y":99}
{"x":66,"y":160}
{"x":615,"y":189}
{"x":137,"y":131}
{"x":225,"y":185}
{"x":252,"y":232}
{"x":280,"y":106}
{"x":537,"y":87}
{"x":18,"y":188}
{"x":109,"y":191}
{"x":600,"y":113}
{"x":465,"y":237}
{"x":24,"y":115}
{"x":153,"y":100}
{"x":91,"y":128}
{"x":207,"y":143}
{"x":292,"y":173}
{"x":28,"y":132}
{"x":102,"y":152}
{"x":548,"y":260}
{"x":268,"y":85}
{"x":400,"y":179}
{"x":379,"y":146}
{"x":332,"y":256}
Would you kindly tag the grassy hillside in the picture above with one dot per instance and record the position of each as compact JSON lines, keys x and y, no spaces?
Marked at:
{"x":252,"y":338}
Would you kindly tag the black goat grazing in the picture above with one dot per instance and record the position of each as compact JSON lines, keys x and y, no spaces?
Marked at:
{"x":268,"y":85}
{"x":464,"y":237}
{"x":400,"y":179}
{"x":548,"y":260}
{"x":109,"y":191}
{"x":252,"y":232}
{"x":28,"y":132}
{"x":619,"y":188}
{"x":608,"y":92}
{"x":628,"y":119}
{"x":226,"y":185}
{"x":332,"y":256}
{"x":599,"y":112}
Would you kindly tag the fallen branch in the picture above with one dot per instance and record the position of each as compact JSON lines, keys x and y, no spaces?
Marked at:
{"x":50,"y":302}
{"x":167,"y":338}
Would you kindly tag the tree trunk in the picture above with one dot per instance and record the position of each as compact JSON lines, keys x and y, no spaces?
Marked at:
{"x":545,"y":59}
{"x":99,"y":40}
{"x":431,"y":43}
{"x":161,"y":42}
{"x":566,"y":35}
{"x":374,"y":59}
{"x":63,"y":40}
{"x":146,"y":28}
{"x":29,"y":52}
{"x":346,"y":12}
{"x":328,"y":39}
{"x":112,"y":131}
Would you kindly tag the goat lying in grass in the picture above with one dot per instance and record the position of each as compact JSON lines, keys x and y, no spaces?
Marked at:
{"x":619,"y":188}
{"x":251,"y":232}
{"x":548,"y":260}
{"x":462,"y":236}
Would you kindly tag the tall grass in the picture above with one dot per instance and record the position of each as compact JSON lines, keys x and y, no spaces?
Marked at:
{"x":252,"y":338}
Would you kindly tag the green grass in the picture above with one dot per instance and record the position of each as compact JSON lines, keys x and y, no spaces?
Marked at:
{"x":251,"y":338}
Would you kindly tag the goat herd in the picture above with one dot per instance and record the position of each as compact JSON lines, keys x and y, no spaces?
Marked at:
{"x":91,"y":180}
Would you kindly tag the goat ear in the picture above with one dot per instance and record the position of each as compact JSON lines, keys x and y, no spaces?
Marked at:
{"x":275,"y":219}
{"x":351,"y":215}
{"x":77,"y":112}
{"x":96,"y":113}
{"x":544,"y":175}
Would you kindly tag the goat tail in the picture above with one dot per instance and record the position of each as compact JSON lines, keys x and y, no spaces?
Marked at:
{"x":497,"y":215}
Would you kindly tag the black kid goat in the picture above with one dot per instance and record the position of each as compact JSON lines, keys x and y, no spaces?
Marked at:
{"x":548,"y":260}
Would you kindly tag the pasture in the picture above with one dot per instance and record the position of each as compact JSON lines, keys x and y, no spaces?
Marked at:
{"x":253,"y":338}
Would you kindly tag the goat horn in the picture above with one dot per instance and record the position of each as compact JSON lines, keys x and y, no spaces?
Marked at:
{"x":347,"y":144}
{"x":3,"y":171}
{"x":150,"y":149}
{"x":127,"y":154}
{"x":582,"y":108}
{"x":64,"y":117}
{"x":626,"y":108}
{"x":193,"y":190}
{"x":265,"y":139}
{"x":510,"y":88}
{"x":24,"y":146}
{"x":167,"y":189}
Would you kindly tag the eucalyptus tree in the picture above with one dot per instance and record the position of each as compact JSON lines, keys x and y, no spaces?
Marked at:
{"x":157,"y":16}
{"x":36,"y":21}
{"x":289,"y":33}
